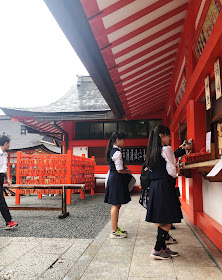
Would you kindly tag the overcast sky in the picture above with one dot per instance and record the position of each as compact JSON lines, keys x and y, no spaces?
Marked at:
{"x":37,"y":63}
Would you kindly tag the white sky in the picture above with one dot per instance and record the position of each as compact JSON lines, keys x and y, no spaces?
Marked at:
{"x":37,"y":63}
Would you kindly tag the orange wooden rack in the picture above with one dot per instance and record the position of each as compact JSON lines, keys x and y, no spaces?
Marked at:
{"x":50,"y":169}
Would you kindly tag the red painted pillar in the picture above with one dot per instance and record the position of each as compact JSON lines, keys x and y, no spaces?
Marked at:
{"x":68,"y":176}
{"x":9,"y":166}
{"x":92,"y":191}
{"x":196,"y":129}
{"x":82,"y":194}
{"x":40,"y":175}
{"x":17,"y":192}
{"x":175,"y":141}
{"x":183,"y":188}
{"x":195,"y":195}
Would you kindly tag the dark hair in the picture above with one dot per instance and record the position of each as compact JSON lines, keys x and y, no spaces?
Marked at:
{"x":154,"y":145}
{"x":116,"y":135}
{"x":4,"y":139}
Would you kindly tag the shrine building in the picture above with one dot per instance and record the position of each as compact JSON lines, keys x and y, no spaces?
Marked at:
{"x":149,"y":62}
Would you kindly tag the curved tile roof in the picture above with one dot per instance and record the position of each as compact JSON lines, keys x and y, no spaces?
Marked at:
{"x":82,"y":97}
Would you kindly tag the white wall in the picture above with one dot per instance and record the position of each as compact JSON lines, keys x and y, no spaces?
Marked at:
{"x":187,"y":184}
{"x":212,"y":200}
{"x":180,"y":184}
{"x":78,"y":151}
{"x":136,"y":176}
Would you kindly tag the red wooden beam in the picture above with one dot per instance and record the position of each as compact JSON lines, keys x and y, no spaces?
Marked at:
{"x":137,"y":15}
{"x":145,"y":105}
{"x":147,"y":75}
{"x":153,"y":77}
{"x":153,"y":48}
{"x":149,"y":39}
{"x":156,"y":89}
{"x":149,"y":25}
{"x":156,"y":64}
{"x":211,"y":51}
{"x":149,"y":59}
{"x":144,"y":85}
{"x":151,"y":100}
{"x":138,"y":105}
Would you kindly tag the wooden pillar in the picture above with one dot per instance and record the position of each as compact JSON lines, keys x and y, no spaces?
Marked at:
{"x":82,"y":194}
{"x":92,"y":191}
{"x":196,"y":129}
{"x":68,"y":176}
{"x":175,"y":141}
{"x":17,"y":192}
{"x":183,"y":188}
{"x":40,"y":175}
{"x":9,"y":166}
{"x":195,"y":195}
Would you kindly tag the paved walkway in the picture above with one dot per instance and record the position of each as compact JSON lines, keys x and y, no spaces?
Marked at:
{"x":104,"y":258}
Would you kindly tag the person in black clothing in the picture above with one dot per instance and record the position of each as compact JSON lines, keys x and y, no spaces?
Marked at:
{"x":117,"y":192}
{"x":181,"y":151}
{"x":4,"y":145}
{"x":163,"y":206}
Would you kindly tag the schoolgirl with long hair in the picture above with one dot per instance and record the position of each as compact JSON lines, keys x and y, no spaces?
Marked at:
{"x":117,"y":192}
{"x":163,"y":206}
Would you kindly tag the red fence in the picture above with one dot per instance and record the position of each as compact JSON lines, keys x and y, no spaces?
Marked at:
{"x":49,"y":169}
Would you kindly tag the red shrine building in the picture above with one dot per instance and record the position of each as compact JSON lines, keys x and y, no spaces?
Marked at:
{"x":150,"y":62}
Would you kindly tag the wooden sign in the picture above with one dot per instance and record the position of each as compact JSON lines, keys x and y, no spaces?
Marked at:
{"x":207,"y":93}
{"x":208,"y":24}
{"x":180,"y":91}
{"x":135,"y":156}
{"x":217,"y":78}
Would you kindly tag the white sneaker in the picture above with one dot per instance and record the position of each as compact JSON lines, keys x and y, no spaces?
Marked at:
{"x":118,"y":234}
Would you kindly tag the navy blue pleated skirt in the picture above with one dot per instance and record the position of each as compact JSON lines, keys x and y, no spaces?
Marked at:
{"x":117,"y":191}
{"x":163,"y":205}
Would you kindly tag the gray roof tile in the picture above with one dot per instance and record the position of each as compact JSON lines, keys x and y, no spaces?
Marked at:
{"x":18,"y":141}
{"x":84,"y":96}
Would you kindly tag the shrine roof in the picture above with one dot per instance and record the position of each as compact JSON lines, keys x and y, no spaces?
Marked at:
{"x":84,"y":98}
{"x":21,"y":142}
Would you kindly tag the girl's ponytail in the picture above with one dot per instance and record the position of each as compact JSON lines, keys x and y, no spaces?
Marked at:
{"x":109,"y":148}
{"x":155,"y":146}
{"x":149,"y":148}
{"x":112,"y":140}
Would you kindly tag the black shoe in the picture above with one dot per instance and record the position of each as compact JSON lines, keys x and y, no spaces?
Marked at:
{"x":172,"y":227}
{"x":170,"y":240}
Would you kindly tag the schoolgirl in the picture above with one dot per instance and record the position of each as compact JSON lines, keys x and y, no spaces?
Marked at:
{"x":117,"y":192}
{"x":163,"y":206}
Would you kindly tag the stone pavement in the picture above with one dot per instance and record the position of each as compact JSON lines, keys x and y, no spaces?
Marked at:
{"x":104,"y":258}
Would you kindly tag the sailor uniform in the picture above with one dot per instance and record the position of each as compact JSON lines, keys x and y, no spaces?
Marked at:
{"x":117,"y":191}
{"x":164,"y":205}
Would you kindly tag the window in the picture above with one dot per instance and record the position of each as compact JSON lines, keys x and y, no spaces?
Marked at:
{"x":152,"y":124}
{"x":109,"y":128}
{"x":104,"y":130}
{"x":127,"y":128}
{"x":82,"y":130}
{"x":140,"y":129}
{"x":96,"y":130}
{"x":134,"y":129}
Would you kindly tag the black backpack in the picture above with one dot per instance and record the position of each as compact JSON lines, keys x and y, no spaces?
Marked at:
{"x":145,"y":178}
{"x":145,"y":184}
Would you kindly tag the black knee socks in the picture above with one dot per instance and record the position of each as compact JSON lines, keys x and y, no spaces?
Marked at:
{"x":160,"y":239}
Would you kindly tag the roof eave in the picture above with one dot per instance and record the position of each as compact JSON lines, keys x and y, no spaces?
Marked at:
{"x":70,"y":18}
